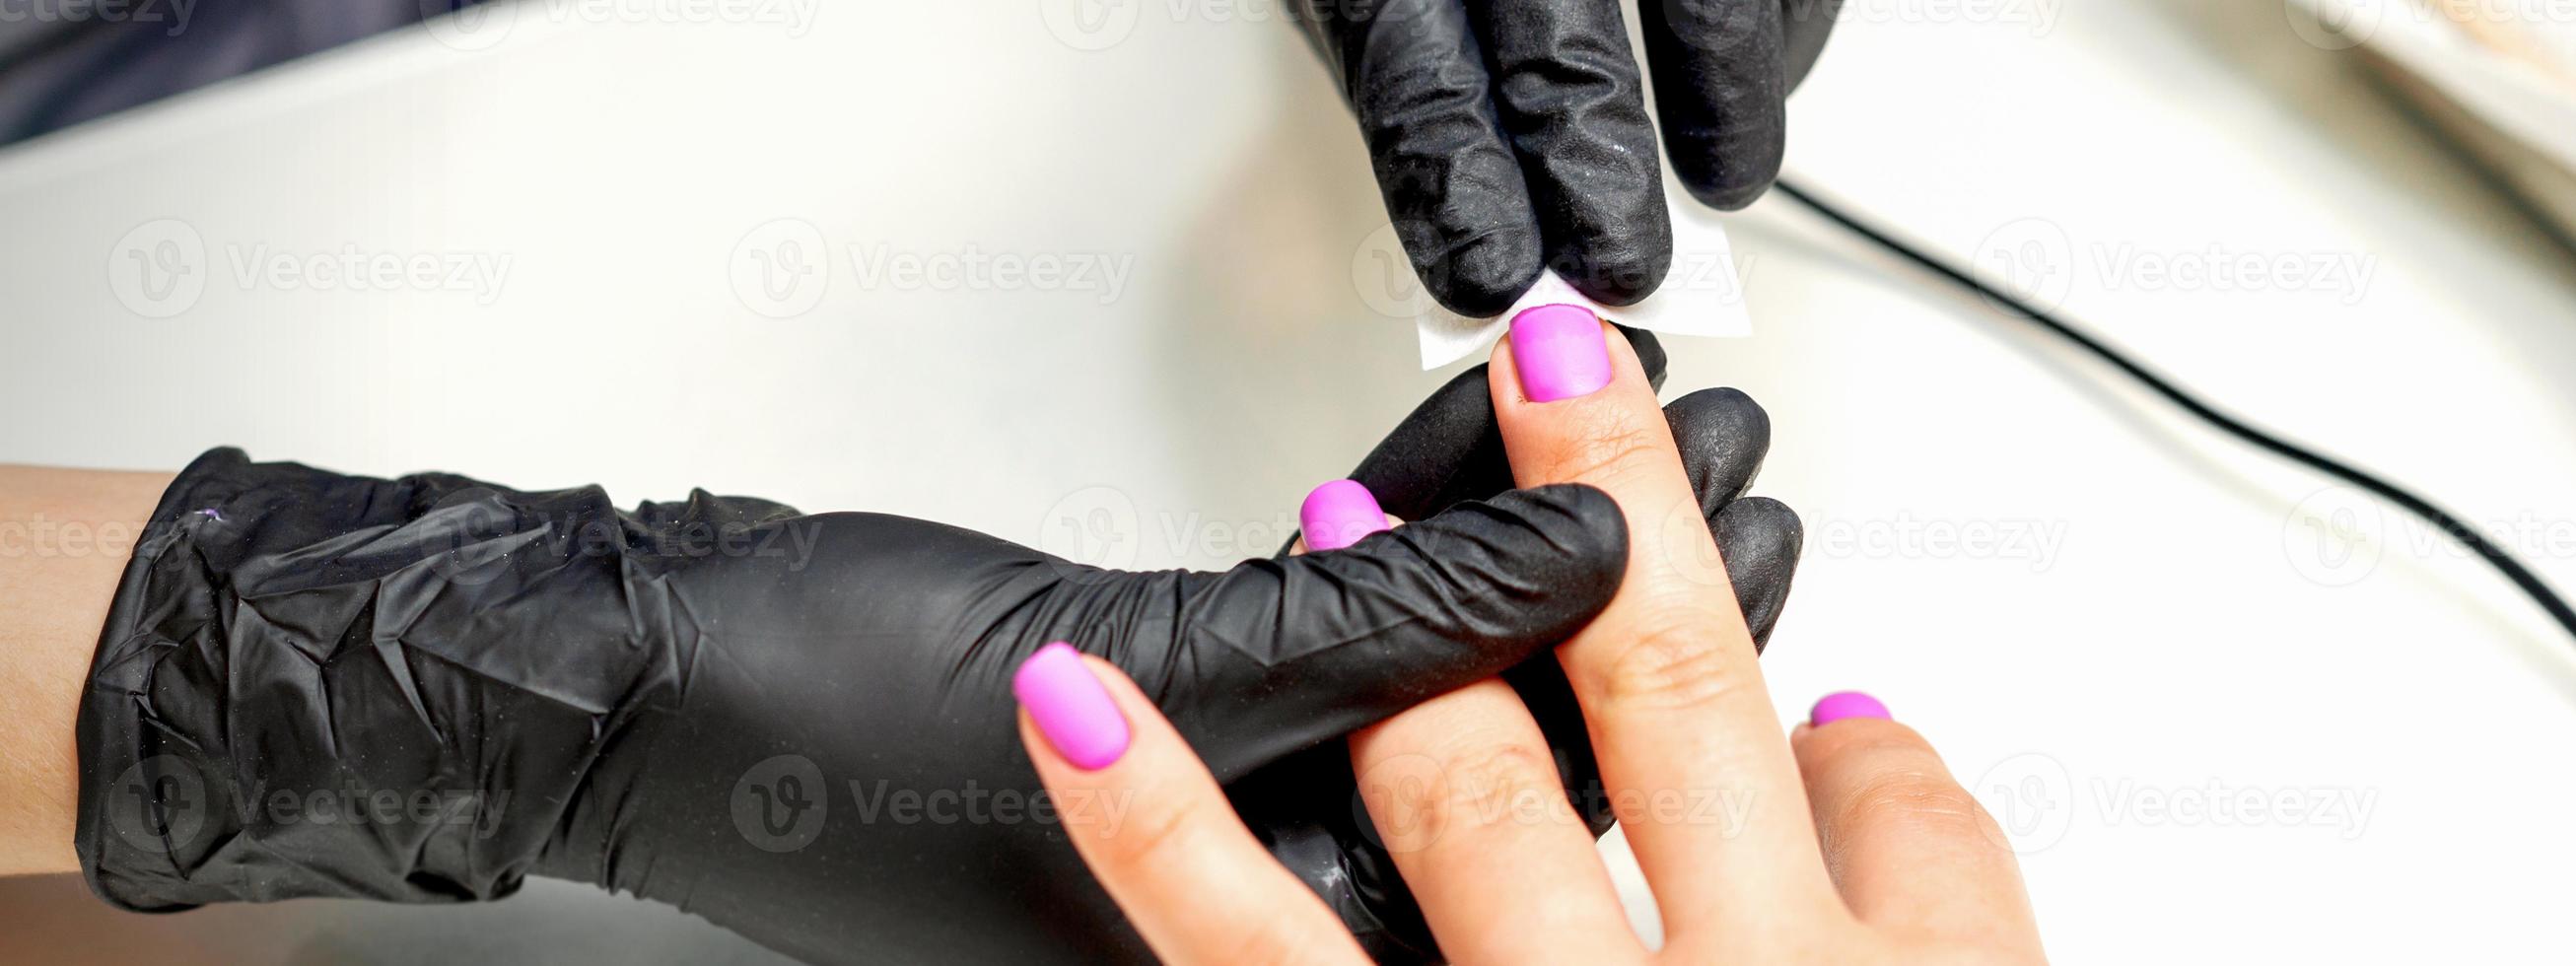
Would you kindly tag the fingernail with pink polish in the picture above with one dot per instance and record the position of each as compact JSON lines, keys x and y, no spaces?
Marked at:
{"x":1338,"y":514}
{"x":1846,"y":704}
{"x":1070,"y":707}
{"x":1559,"y":352}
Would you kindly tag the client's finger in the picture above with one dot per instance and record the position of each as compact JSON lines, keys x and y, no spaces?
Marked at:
{"x":1907,"y":846}
{"x":1336,"y":515}
{"x":1690,"y":750}
{"x":1469,"y":802}
{"x":1449,"y":450}
{"x":1153,"y":826}
{"x":1467,"y":799}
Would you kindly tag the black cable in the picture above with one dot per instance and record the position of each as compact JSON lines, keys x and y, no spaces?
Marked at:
{"x":2495,"y":556}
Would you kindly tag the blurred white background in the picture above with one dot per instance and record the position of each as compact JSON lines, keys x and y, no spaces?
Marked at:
{"x":2229,"y":712}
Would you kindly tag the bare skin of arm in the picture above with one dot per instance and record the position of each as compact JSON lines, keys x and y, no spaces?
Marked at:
{"x":65,"y":536}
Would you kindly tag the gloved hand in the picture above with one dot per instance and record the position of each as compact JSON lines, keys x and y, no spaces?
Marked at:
{"x":1511,"y":134}
{"x":798,"y":727}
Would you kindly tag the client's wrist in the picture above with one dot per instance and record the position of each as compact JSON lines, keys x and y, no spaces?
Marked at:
{"x":65,"y":536}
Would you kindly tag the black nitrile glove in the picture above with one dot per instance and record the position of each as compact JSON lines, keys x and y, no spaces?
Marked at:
{"x":1451,"y":450}
{"x":798,"y":727}
{"x":1511,"y":134}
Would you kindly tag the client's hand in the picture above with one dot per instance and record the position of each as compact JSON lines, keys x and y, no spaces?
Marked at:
{"x":1845,"y":841}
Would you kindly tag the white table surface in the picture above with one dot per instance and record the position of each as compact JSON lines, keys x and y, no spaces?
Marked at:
{"x":2107,"y":617}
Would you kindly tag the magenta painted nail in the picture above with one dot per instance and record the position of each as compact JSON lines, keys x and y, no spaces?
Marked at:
{"x":1559,"y":352}
{"x":1846,"y":704}
{"x":1070,"y":707}
{"x":1338,"y":514}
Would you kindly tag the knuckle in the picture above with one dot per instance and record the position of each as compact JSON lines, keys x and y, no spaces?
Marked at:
{"x":1611,"y":446}
{"x":1492,"y":782}
{"x":1150,"y":834}
{"x":1416,"y":800}
{"x":1675,"y":665}
{"x":1914,"y":798}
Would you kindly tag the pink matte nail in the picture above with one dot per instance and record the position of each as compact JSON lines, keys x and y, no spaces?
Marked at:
{"x":1559,"y":352}
{"x":1846,"y":704}
{"x":1338,"y":514}
{"x":1070,"y":707}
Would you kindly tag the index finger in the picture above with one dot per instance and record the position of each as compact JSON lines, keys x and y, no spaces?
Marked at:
{"x":1690,"y":749}
{"x":1155,"y":828}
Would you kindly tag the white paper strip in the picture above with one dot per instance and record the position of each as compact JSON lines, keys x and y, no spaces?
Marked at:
{"x":1700,"y":296}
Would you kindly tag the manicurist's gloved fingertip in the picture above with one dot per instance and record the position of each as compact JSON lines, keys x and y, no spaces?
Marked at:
{"x":1723,"y":436}
{"x":1569,"y":539}
{"x":1481,"y":277}
{"x":1759,"y":538}
{"x":1737,"y":188}
{"x":1623,"y":267}
{"x":1285,"y":654}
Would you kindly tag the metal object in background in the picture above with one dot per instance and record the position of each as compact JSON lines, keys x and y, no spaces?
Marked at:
{"x":2496,"y":81}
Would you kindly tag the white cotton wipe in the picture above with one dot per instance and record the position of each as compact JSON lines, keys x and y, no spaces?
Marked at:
{"x":1701,"y":294}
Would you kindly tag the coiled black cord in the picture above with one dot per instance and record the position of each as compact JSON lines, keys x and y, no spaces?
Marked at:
{"x":2495,"y":556}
